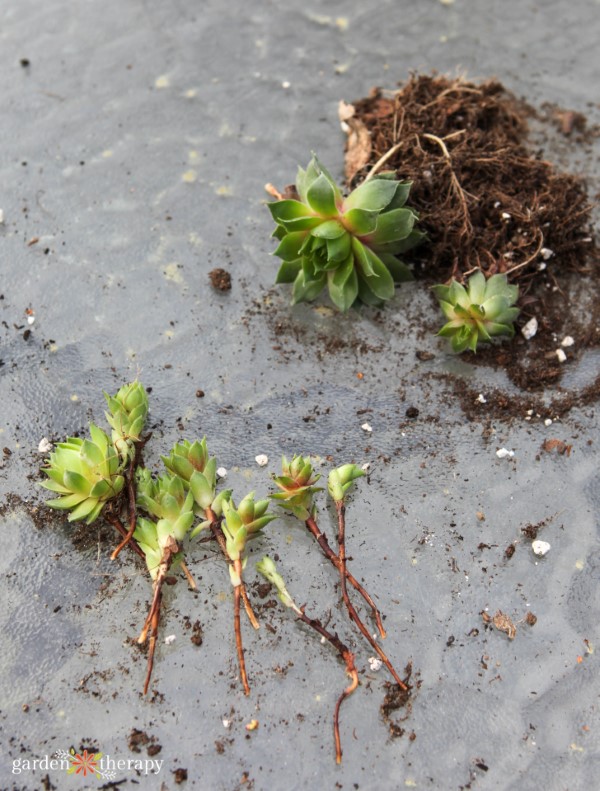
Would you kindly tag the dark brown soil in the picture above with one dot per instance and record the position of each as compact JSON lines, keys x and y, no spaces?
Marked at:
{"x":488,"y":201}
{"x":220,"y":279}
{"x":394,"y":700}
{"x":464,"y":147}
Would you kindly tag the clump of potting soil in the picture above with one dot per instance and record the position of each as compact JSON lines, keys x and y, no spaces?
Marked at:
{"x":484,"y":198}
{"x":488,"y":201}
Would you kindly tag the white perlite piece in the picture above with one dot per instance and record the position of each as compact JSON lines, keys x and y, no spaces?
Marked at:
{"x":506,"y":215}
{"x":540,"y":548}
{"x":530,"y":329}
{"x":548,"y":421}
{"x":481,"y":399}
{"x":561,"y":355}
{"x":367,"y":427}
{"x":45,"y":445}
{"x":169,"y":639}
{"x":221,"y":472}
{"x":262,"y":459}
{"x":504,"y":453}
{"x":567,"y":341}
{"x":1,"y":217}
{"x":226,"y":723}
{"x":30,"y":320}
{"x":546,"y":253}
{"x":375,"y":664}
{"x":366,"y":466}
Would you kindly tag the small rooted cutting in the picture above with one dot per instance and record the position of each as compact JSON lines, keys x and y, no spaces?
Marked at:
{"x":241,"y":524}
{"x":269,"y":570}
{"x":230,"y":527}
{"x":165,"y":499}
{"x":297,"y":487}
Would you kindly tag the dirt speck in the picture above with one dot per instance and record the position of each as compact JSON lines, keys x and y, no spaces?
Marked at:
{"x":220,"y":279}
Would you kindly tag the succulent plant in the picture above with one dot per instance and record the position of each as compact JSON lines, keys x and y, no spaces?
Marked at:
{"x":479,"y":312}
{"x":191,"y":462}
{"x":127,"y":414}
{"x":86,"y":473}
{"x":341,"y":479}
{"x":347,"y":244}
{"x":146,"y":535}
{"x":166,"y":499}
{"x":268,"y":569}
{"x":241,"y":524}
{"x":297,"y":484}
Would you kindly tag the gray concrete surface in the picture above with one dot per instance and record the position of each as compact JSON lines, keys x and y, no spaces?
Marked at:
{"x":135,"y":147}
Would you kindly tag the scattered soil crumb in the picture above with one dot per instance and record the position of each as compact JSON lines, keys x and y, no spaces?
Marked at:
{"x":531,"y":531}
{"x":220,"y":279}
{"x":395,"y":699}
{"x":180,"y":775}
{"x":137,"y":740}
{"x":197,"y":636}
{"x":530,"y":619}
{"x":558,"y":445}
{"x":502,"y":622}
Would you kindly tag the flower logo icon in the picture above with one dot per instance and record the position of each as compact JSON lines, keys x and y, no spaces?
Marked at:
{"x":84,"y":764}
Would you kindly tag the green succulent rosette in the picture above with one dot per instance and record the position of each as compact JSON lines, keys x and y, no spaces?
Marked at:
{"x":348,"y":245}
{"x":191,"y":462}
{"x":166,"y":499}
{"x":297,"y":487}
{"x":341,"y":479}
{"x":86,"y":473}
{"x":147,"y":536}
{"x":241,"y":524}
{"x":127,"y":413}
{"x":481,"y":311}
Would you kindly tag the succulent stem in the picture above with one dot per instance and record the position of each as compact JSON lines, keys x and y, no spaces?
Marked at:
{"x":238,"y":635}
{"x":152,"y":645}
{"x":215,"y":529}
{"x":348,"y":658}
{"x":188,"y":575}
{"x":341,"y":509}
{"x":322,"y":541}
{"x":129,"y":478}
{"x":152,"y":619}
{"x":118,"y":525}
{"x":131,"y":498}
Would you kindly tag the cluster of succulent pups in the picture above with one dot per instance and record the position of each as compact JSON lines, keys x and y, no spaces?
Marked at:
{"x":159,"y":516}
{"x":351,"y":246}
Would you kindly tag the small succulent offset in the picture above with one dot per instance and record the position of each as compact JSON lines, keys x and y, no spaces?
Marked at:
{"x":341,"y":479}
{"x":127,"y":414}
{"x":241,"y":524}
{"x":86,"y":473}
{"x":347,"y":244}
{"x":479,"y":312}
{"x":297,"y":487}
